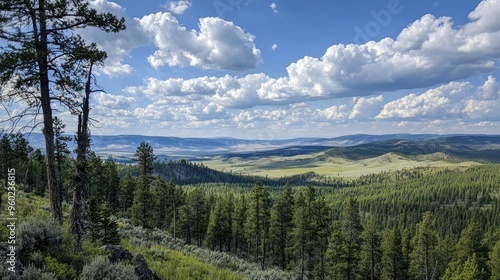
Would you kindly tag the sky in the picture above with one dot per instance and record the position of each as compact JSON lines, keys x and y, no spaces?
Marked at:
{"x":280,"y":69}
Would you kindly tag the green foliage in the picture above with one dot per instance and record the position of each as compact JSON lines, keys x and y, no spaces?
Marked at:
{"x":371,"y":253}
{"x":424,"y":244}
{"x":102,"y":228}
{"x":392,"y":255}
{"x":337,"y":253}
{"x":141,"y":210}
{"x":145,"y":158}
{"x":142,"y":238}
{"x":219,"y":231}
{"x":494,"y":262}
{"x":126,"y":193}
{"x":170,"y":264}
{"x":281,"y":225}
{"x":38,"y":236}
{"x":257,"y":222}
{"x":468,"y":270}
{"x":32,"y":273}
{"x":62,"y":271}
{"x":102,"y":268}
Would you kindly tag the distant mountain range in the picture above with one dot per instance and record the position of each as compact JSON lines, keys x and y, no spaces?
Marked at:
{"x":122,"y":147}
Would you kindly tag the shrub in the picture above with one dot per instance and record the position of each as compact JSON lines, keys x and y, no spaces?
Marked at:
{"x":33,"y":273}
{"x":101,"y":268}
{"x":61,"y":270}
{"x":38,"y":236}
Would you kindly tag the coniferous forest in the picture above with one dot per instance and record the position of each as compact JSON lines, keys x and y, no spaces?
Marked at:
{"x":422,"y":223}
{"x":71,"y":214}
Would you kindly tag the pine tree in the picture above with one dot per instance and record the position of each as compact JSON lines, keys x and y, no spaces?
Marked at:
{"x":343,"y":253}
{"x":238,"y":224}
{"x":321,"y":229}
{"x":300,"y":233}
{"x":494,"y":261}
{"x":392,"y":255}
{"x":161,"y":195}
{"x":406,"y":248}
{"x":111,"y":183}
{"x":423,"y":256}
{"x":470,"y":244}
{"x":281,"y":225}
{"x":218,"y":225}
{"x":337,"y":252}
{"x":145,"y":158}
{"x":194,"y":217}
{"x":468,"y":270}
{"x":109,"y":226}
{"x":61,"y":153}
{"x":142,"y":214}
{"x":41,"y":58}
{"x":370,"y":251}
{"x":126,"y":193}
{"x":351,"y":225}
{"x":257,"y":222}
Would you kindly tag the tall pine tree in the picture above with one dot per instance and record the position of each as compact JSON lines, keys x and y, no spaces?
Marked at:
{"x":281,"y":225}
{"x":257,"y":222}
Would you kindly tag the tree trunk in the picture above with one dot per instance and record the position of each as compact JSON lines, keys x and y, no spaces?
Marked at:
{"x":48,"y":129}
{"x":81,"y":177}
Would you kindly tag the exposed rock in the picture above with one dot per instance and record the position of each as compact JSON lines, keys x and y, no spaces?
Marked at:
{"x":118,"y":254}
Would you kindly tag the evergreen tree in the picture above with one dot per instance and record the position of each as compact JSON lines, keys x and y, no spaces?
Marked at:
{"x":61,"y":153}
{"x":126,"y":193}
{"x":494,"y":261}
{"x":162,"y":197}
{"x":337,"y":253}
{"x":300,"y":233}
{"x":470,"y":244}
{"x":406,"y":248}
{"x":351,"y":225}
{"x":177,"y":206}
{"x":468,"y":270}
{"x":41,"y":60}
{"x":392,"y":255}
{"x":423,"y":256}
{"x":194,"y":217}
{"x":109,"y":226}
{"x":343,"y":253}
{"x":257,"y":222}
{"x":219,"y":228}
{"x":110,"y":184}
{"x":281,"y":225}
{"x":145,"y":158}
{"x":142,"y":214}
{"x":321,"y":229}
{"x":370,"y":264}
{"x":238,"y":224}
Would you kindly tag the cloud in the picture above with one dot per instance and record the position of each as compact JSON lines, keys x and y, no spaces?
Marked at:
{"x":178,"y":7}
{"x":274,"y":47}
{"x":113,"y":101}
{"x":455,"y":100}
{"x":490,"y":90}
{"x":117,"y":45}
{"x":366,"y":108}
{"x":274,"y":7}
{"x":218,"y":44}
{"x":437,"y":103}
{"x":429,"y":52}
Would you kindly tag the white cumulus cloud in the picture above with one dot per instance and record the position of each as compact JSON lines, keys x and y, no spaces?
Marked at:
{"x":178,"y":7}
{"x":218,"y":44}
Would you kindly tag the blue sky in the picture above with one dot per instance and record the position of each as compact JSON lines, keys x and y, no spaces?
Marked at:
{"x":282,"y":69}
